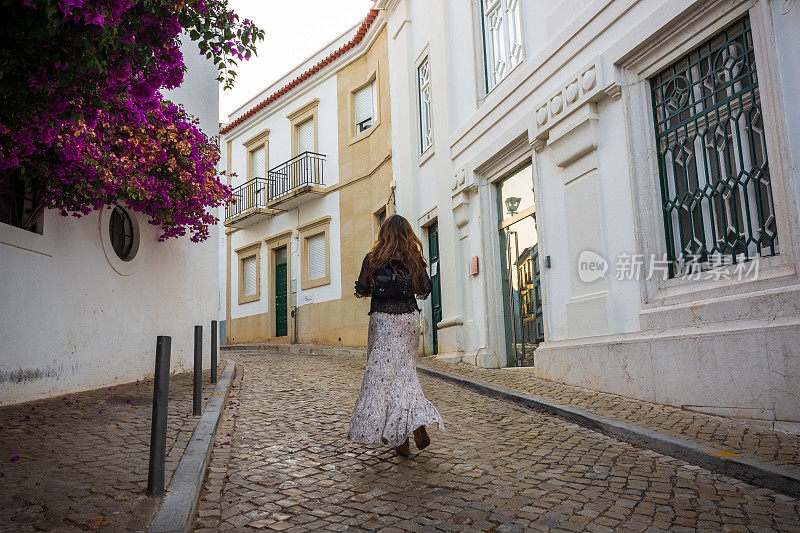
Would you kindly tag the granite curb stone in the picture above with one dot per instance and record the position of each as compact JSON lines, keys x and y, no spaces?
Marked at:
{"x":180,"y":501}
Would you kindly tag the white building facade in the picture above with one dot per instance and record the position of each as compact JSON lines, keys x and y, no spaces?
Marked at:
{"x":77,"y":316}
{"x":608,"y":191}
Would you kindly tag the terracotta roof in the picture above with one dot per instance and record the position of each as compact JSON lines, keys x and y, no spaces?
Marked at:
{"x":357,"y":38}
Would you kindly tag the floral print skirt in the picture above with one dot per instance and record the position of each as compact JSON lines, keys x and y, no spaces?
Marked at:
{"x":391,"y":404}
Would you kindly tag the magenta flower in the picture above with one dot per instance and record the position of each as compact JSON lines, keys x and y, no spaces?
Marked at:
{"x":14,"y":458}
{"x":89,"y":119}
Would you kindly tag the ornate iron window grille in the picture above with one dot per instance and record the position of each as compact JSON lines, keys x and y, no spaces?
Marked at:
{"x":712,"y":155}
{"x":501,"y":22}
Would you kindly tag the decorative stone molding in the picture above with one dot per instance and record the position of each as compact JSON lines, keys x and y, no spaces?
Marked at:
{"x":461,"y":209}
{"x":590,"y":84}
{"x":575,"y":138}
{"x":460,"y":182}
{"x":461,"y":189}
{"x":430,"y":216}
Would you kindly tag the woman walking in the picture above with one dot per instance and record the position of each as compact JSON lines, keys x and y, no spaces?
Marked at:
{"x":391,"y":405}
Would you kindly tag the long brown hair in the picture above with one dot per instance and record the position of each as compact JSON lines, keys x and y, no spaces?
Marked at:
{"x":397,"y":243}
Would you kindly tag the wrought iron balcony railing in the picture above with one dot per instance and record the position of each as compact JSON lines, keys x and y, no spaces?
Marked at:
{"x":253,"y":194}
{"x":258,"y":193}
{"x":301,"y":170}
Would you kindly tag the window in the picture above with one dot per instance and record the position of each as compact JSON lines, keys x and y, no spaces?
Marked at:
{"x":712,"y":156}
{"x":502,"y":39}
{"x":316,"y":257}
{"x":250,"y":275}
{"x":20,"y":203}
{"x":381,"y":217}
{"x":364,"y":107}
{"x":304,"y":123}
{"x":305,"y":136}
{"x":425,"y":123}
{"x":315,"y":253}
{"x":121,"y":233}
{"x":249,"y":272}
{"x":258,"y":162}
{"x":253,"y":192}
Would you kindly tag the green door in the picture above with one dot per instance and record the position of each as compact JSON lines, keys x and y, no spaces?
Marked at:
{"x":281,"y":324}
{"x":436,"y":291}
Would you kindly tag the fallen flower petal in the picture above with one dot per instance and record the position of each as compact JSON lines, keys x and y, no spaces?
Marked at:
{"x":14,"y":458}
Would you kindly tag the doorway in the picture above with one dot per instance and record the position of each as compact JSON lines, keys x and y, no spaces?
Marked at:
{"x":519,"y":247}
{"x":436,"y":291}
{"x":281,"y":321}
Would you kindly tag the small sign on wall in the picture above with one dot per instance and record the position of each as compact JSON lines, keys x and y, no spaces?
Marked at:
{"x":473,"y":266}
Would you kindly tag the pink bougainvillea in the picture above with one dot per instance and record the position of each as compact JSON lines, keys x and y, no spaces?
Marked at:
{"x":82,"y":115}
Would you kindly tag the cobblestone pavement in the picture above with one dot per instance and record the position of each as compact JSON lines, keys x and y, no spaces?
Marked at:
{"x":79,"y":462}
{"x":283,"y":464}
{"x":733,"y":435}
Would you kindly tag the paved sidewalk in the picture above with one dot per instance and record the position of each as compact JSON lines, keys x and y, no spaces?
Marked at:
{"x":283,"y":464}
{"x":737,"y":436}
{"x":79,"y":462}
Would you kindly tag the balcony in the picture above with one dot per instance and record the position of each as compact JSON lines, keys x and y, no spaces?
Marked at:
{"x":250,"y":204}
{"x":285,"y":187}
{"x":296,"y":181}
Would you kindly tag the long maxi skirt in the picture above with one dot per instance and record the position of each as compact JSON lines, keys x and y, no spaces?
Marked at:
{"x":391,"y":404}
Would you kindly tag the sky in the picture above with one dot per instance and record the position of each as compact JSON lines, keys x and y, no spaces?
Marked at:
{"x":293,"y":30}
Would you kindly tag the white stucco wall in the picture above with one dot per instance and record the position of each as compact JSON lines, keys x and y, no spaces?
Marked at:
{"x":72,"y":322}
{"x":658,"y":340}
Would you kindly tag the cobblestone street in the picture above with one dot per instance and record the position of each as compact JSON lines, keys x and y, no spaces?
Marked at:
{"x":282,"y":463}
{"x":79,"y":462}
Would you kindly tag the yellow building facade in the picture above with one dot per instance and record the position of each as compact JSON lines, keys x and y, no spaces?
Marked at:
{"x":365,"y":198}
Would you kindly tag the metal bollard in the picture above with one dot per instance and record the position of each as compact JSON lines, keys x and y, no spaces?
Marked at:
{"x":214,"y":351}
{"x":197,"y":405}
{"x":158,"y":428}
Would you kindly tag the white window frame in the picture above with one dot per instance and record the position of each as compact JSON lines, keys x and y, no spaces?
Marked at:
{"x":502,"y":38}
{"x":424,"y":105}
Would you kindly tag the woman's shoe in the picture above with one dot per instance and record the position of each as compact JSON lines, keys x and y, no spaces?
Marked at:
{"x":421,"y":438}
{"x":403,"y":449}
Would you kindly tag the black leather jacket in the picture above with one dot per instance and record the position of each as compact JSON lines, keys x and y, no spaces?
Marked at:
{"x":390,"y":291}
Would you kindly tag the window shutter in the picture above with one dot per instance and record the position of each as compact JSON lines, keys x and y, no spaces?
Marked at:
{"x":316,"y":256}
{"x":258,"y":162}
{"x":305,"y":136}
{"x":249,"y":266}
{"x":365,"y":103}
